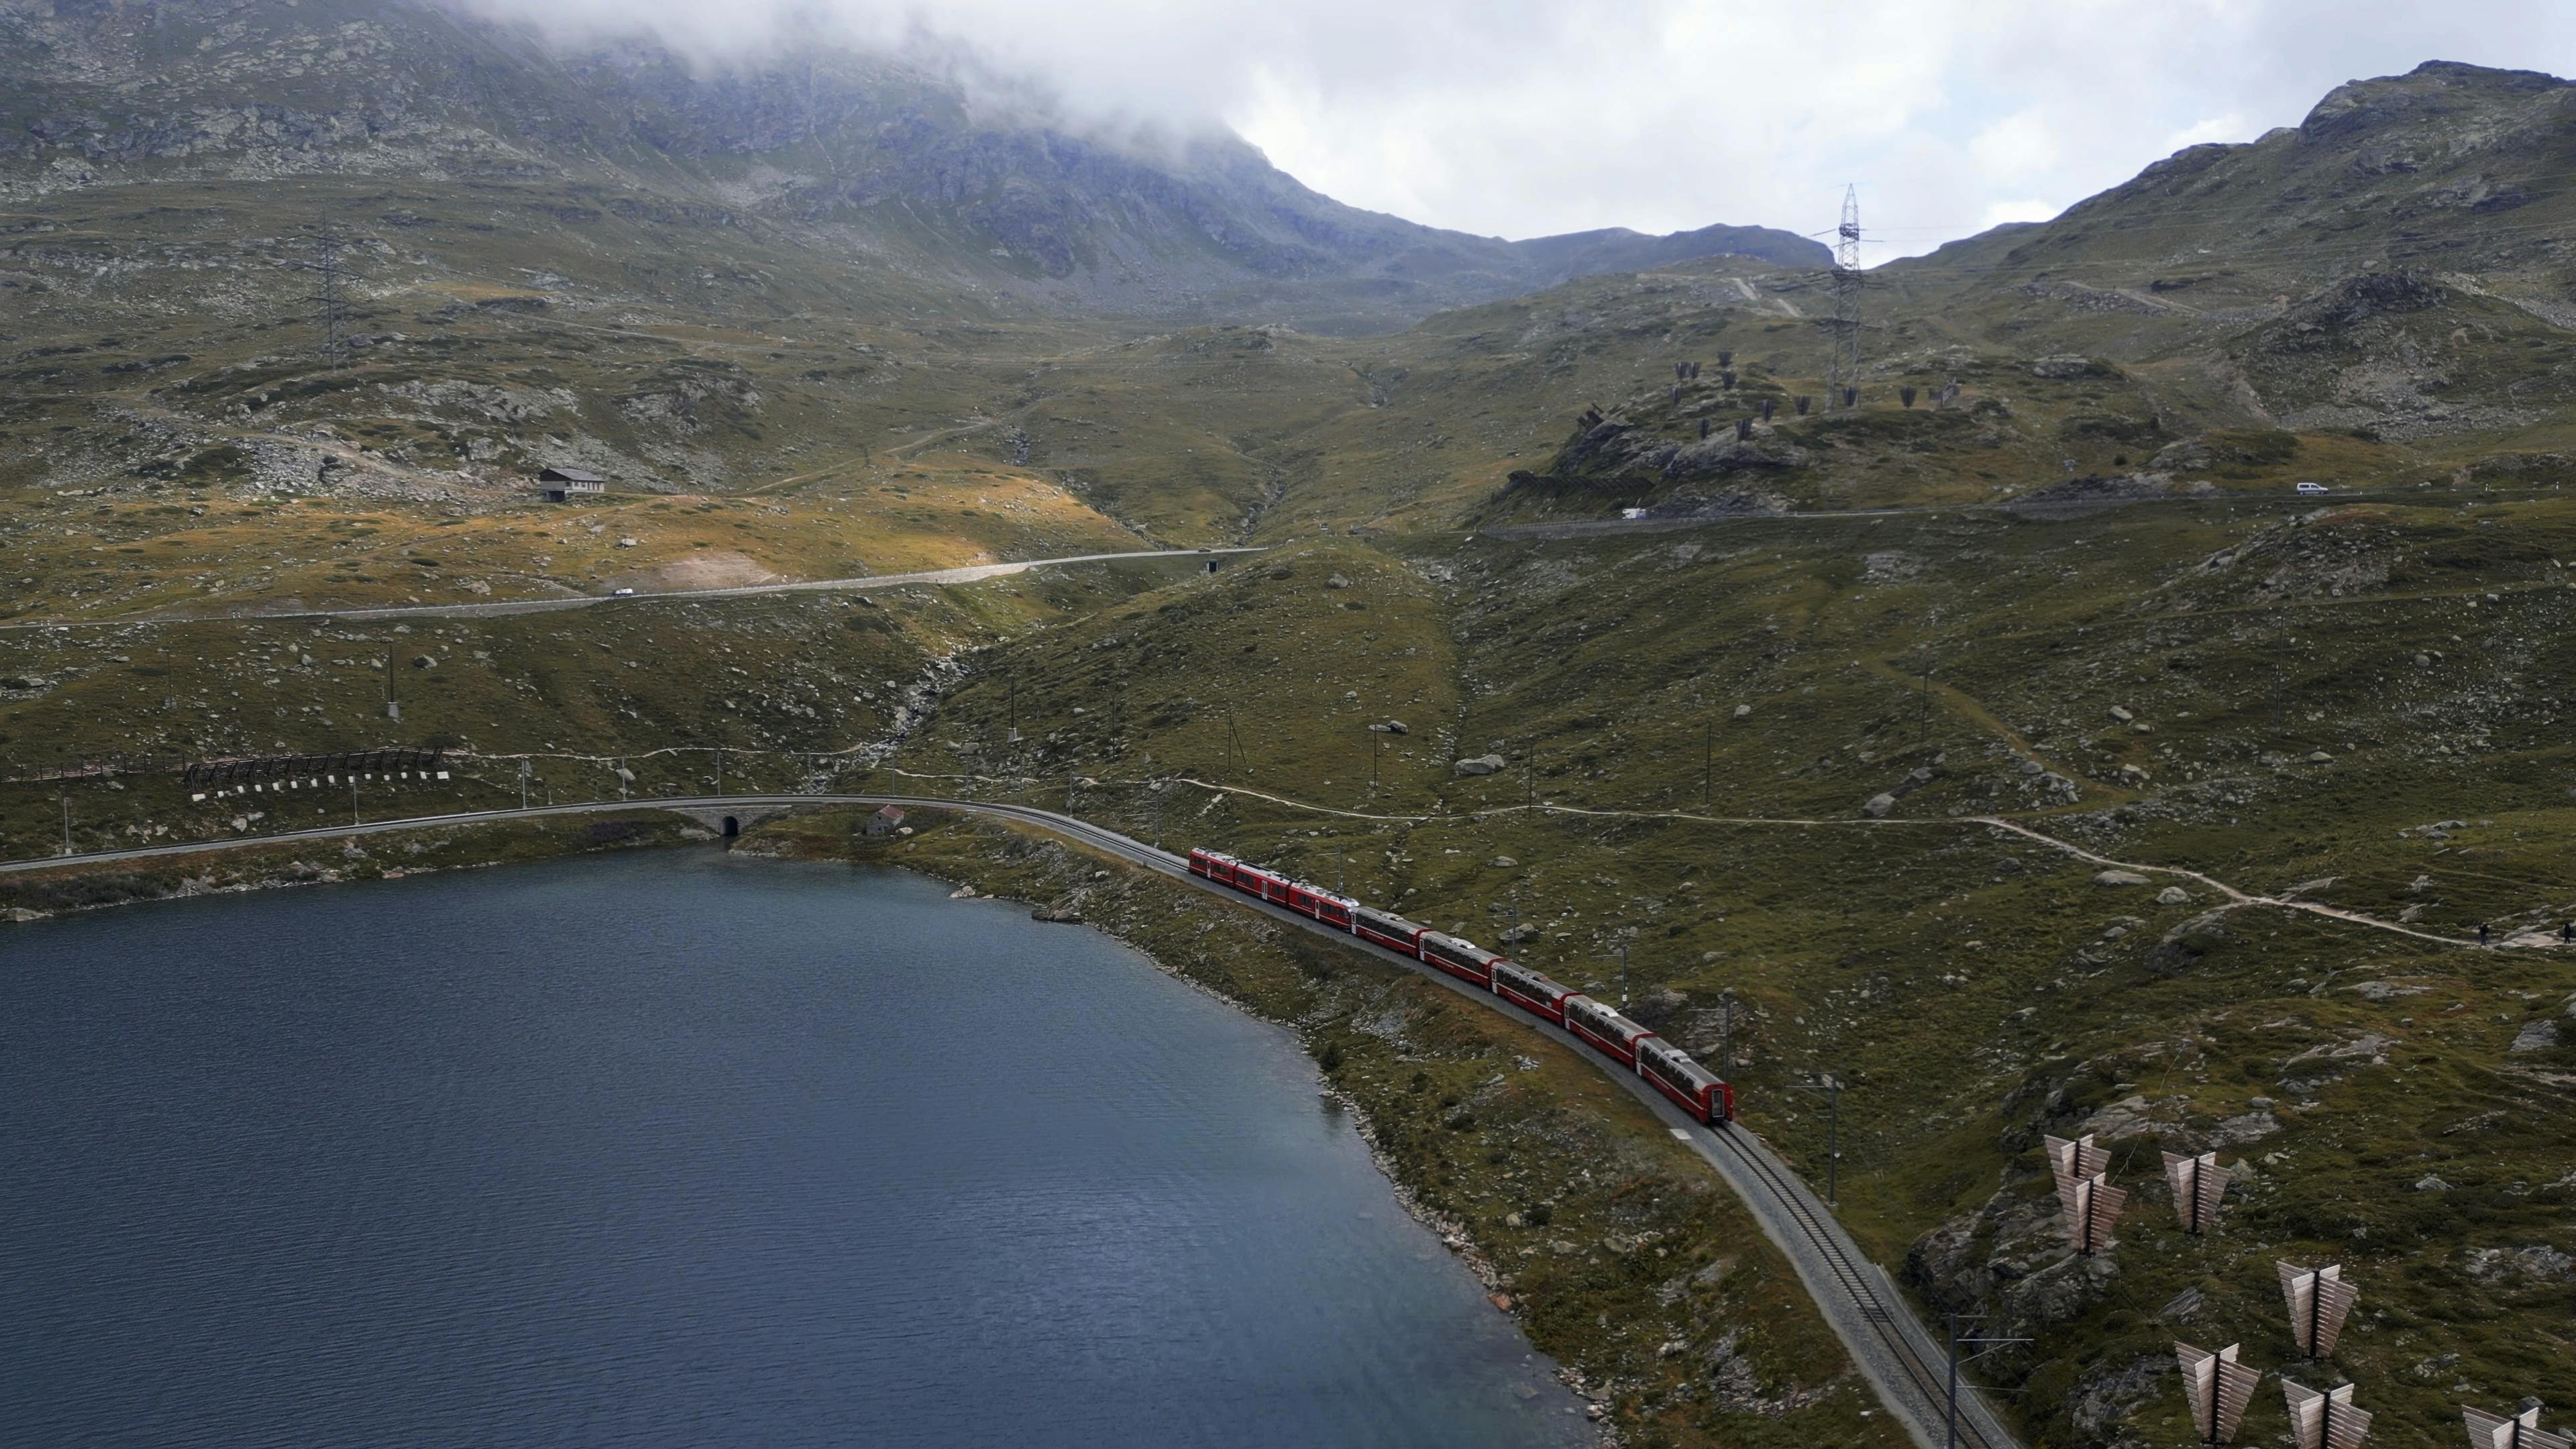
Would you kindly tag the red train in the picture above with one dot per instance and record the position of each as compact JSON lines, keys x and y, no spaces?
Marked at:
{"x":1694,"y":1087}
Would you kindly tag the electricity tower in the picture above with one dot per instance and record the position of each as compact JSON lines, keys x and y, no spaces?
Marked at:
{"x":331,"y":297}
{"x":1843,"y":383}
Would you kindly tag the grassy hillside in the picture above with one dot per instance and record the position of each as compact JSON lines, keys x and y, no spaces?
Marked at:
{"x":1700,"y":719}
{"x":1830,"y":793}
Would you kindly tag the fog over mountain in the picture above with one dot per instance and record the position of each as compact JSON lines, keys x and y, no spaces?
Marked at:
{"x":1523,"y":119}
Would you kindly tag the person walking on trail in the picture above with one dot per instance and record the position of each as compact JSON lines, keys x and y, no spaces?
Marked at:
{"x":2567,"y":933}
{"x":2482,"y":933}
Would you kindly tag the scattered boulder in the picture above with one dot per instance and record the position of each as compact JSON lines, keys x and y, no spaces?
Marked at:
{"x":1479,"y":765}
{"x":1743,"y":711}
{"x":2536,"y":1261}
{"x":2070,"y":365}
{"x":1065,"y":915}
{"x":1337,"y":582}
{"x":2120,"y":878}
{"x":2173,"y":896}
{"x":2184,"y":945}
{"x":424,"y":661}
{"x":2429,"y":1183}
{"x":1877,"y":806}
{"x":2538,"y":1036}
{"x":2122,"y":715}
{"x":1502,"y":862}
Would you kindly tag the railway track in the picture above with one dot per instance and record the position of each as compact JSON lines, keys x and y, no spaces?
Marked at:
{"x":1898,"y":1356}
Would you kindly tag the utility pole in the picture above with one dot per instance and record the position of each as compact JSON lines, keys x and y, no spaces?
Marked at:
{"x":1726,"y":1034}
{"x":1708,"y":764}
{"x":719,"y":767}
{"x":1984,"y":1345}
{"x":1623,"y":975}
{"x":1015,"y":709}
{"x":1843,"y":383}
{"x":523,"y":784}
{"x":354,"y":817}
{"x":1832,"y":1087}
{"x":63,"y":779}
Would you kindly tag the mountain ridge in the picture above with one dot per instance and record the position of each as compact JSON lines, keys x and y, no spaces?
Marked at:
{"x":251,"y":90}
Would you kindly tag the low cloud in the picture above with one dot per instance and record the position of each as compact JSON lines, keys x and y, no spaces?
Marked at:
{"x":1523,"y":117}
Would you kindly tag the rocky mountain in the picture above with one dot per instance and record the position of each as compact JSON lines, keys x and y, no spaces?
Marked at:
{"x":893,"y":160}
{"x":2382,"y":294}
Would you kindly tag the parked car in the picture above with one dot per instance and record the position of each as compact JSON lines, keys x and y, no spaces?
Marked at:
{"x":2306,"y":488}
{"x":623,"y":594}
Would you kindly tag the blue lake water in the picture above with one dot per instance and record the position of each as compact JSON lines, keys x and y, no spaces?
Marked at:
{"x":681,"y":1149}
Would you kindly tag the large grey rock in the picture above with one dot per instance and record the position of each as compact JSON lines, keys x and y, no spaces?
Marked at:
{"x":2173,"y":896}
{"x":1877,"y":806}
{"x":1479,"y":765}
{"x":2120,"y":878}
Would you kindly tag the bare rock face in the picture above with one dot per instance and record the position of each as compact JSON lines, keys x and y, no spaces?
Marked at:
{"x":1721,"y":457}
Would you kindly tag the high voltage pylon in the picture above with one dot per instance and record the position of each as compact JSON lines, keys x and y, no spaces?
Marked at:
{"x":1843,"y":381}
{"x":330,"y":296}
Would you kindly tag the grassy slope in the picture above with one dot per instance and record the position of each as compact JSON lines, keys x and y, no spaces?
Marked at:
{"x":1972,"y":988}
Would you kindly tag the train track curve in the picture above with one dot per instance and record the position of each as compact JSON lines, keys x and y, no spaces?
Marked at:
{"x":1890,"y":1345}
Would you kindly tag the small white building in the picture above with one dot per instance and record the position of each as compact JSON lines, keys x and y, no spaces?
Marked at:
{"x":562,"y":485}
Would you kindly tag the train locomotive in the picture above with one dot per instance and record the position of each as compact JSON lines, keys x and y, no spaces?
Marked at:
{"x":1596,"y":1024}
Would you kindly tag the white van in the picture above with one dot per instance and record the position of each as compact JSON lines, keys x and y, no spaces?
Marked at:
{"x":2308,"y":488}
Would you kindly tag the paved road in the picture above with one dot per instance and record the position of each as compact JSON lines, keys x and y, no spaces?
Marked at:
{"x":2028,"y":509}
{"x":1901,"y":1359}
{"x":966,"y":575}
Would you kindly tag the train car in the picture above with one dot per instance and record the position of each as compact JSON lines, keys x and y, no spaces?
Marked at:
{"x":1529,"y":990}
{"x":1693,"y":1086}
{"x":1460,"y":958}
{"x":1323,"y":905}
{"x":1604,"y":1028}
{"x":1212,"y":866}
{"x":1389,"y":930}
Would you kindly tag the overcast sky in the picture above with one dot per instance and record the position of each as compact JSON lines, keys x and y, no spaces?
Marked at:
{"x":1523,"y":117}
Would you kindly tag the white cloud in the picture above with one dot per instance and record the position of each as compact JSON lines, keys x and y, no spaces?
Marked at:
{"x":2000,"y":212}
{"x":2230,"y":127}
{"x":1522,"y":117}
{"x":2020,"y":145}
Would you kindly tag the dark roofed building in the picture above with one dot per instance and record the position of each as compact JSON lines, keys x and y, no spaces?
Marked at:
{"x":886,"y":821}
{"x":561,"y":484}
